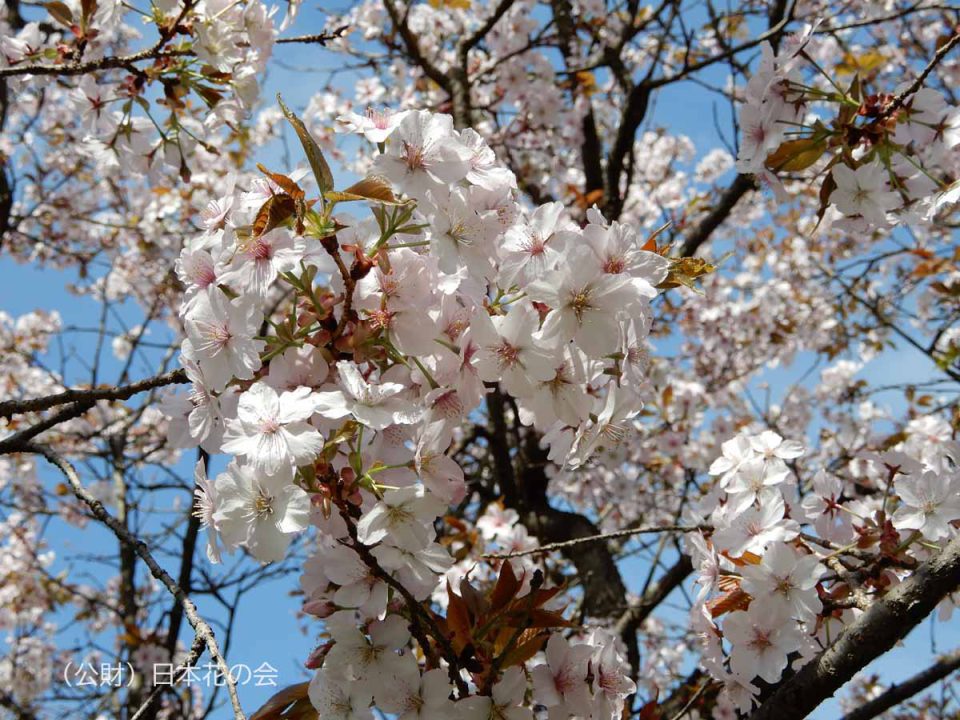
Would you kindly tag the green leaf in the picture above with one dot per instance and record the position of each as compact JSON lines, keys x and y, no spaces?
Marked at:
{"x":321,"y":171}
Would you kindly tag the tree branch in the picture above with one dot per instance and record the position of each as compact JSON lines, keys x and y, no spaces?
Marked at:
{"x":201,"y":628}
{"x":602,"y":537}
{"x":872,"y":634}
{"x":741,"y":185}
{"x":9,"y":408}
{"x":896,"y":694}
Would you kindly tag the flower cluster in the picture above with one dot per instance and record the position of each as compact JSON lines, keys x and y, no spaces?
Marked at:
{"x":779,"y":589}
{"x":889,"y":152}
{"x":343,"y":414}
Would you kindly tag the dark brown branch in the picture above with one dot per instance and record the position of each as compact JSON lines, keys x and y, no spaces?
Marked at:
{"x":17,"y":442}
{"x":318,"y":38}
{"x":900,"y":99}
{"x":481,"y":32}
{"x":741,"y":185}
{"x":111,"y":62}
{"x":896,"y":694}
{"x":9,"y":408}
{"x":875,"y":632}
{"x":413,"y":47}
{"x":602,"y":537}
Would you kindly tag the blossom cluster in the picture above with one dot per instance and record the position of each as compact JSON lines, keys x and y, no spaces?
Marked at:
{"x":206,"y":53}
{"x":781,"y":590}
{"x":885,"y":157}
{"x":342,"y":417}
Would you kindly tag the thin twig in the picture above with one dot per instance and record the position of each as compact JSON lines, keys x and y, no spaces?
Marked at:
{"x":646,"y":530}
{"x":899,"y":100}
{"x":203,"y":631}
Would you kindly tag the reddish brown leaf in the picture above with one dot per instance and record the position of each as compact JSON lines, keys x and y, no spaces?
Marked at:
{"x":60,"y":12}
{"x":529,"y":644}
{"x":321,"y":170}
{"x":370,"y":188}
{"x":538,"y":618}
{"x":284,"y":183}
{"x":291,"y":703}
{"x":276,"y":210}
{"x":796,"y":155}
{"x":506,"y":588}
{"x":458,"y":619}
{"x":734,"y":600}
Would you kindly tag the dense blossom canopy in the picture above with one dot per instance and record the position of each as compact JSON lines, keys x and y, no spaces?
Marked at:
{"x":461,"y":392}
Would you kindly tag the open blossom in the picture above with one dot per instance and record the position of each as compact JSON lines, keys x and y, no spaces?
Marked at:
{"x":417,"y":569}
{"x":376,"y":405}
{"x":485,"y":171}
{"x":375,"y":125}
{"x":261,"y":511}
{"x":441,"y":474}
{"x":403,"y":518}
{"x":506,"y":702}
{"x":562,"y":681}
{"x":205,"y":496}
{"x":535,"y":246}
{"x":865,"y":192}
{"x":754,"y":528}
{"x":612,"y":683}
{"x":423,"y":154}
{"x":929,"y":503}
{"x":496,"y":521}
{"x":507,"y":350}
{"x":760,"y":642}
{"x":786,"y":581}
{"x":271,"y":428}
{"x":585,"y":304}
{"x":369,"y":660}
{"x":359,"y":587}
{"x":259,"y":259}
{"x":420,"y":697}
{"x":337,"y":699}
{"x":220,"y":337}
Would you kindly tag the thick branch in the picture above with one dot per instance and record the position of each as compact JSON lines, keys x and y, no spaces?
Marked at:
{"x":741,"y":185}
{"x":413,"y":47}
{"x":9,"y":408}
{"x":876,"y":631}
{"x":896,"y":694}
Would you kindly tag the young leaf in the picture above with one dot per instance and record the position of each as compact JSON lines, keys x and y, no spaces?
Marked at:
{"x":291,"y":703}
{"x":87,"y":10}
{"x":284,"y":183}
{"x":274,"y":211}
{"x":370,"y":188}
{"x":684,"y":271}
{"x":60,"y":12}
{"x":796,"y":155}
{"x":506,"y":588}
{"x":321,"y":171}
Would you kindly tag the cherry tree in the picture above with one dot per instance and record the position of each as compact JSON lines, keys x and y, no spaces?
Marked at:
{"x":462,"y":342}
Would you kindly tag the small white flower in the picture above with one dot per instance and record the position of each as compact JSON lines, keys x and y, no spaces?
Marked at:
{"x":929,"y":503}
{"x":865,"y":192}
{"x":271,"y":429}
{"x":260,"y":511}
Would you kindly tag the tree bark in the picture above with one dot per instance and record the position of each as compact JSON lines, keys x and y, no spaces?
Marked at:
{"x":871,"y":635}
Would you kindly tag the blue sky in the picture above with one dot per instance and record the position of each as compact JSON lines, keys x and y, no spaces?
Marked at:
{"x":267,"y":628}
